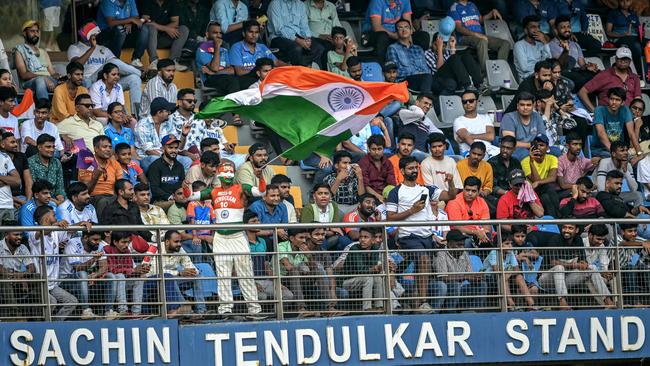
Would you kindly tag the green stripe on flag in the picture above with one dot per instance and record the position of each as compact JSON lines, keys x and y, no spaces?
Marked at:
{"x":294,"y":118}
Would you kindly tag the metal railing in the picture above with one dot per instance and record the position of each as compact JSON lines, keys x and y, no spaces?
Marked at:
{"x":318,"y":282}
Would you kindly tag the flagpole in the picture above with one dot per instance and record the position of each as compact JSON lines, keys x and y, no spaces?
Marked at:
{"x":272,"y":160}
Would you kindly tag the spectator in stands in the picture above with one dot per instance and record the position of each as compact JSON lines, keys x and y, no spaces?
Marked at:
{"x":405,"y":147}
{"x":271,"y":210}
{"x":284,"y":183}
{"x":162,"y":85}
{"x":641,"y":122}
{"x":9,"y":179}
{"x":118,"y":269}
{"x":116,"y":128}
{"x":437,"y":168}
{"x":244,"y":54}
{"x":556,"y":120}
{"x":572,"y":165}
{"x":123,"y":211}
{"x":177,"y":213}
{"x":452,"y":70}
{"x":471,"y":33}
{"x":322,"y":18}
{"x":102,"y":173}
{"x":289,"y":31}
{"x":415,"y":120}
{"x":81,"y":125}
{"x":119,"y":20}
{"x":363,"y":259}
{"x":42,"y":190}
{"x":8,"y":122}
{"x":214,"y":64}
{"x":77,"y":208}
{"x":411,"y":201}
{"x":343,"y":48}
{"x":166,"y":174}
{"x":377,"y":170}
{"x":546,"y":10}
{"x":581,"y":204}
{"x":17,"y":265}
{"x":623,"y":28}
{"x":177,"y":268}
{"x":51,"y":242}
{"x":151,"y":214}
{"x":130,"y":168}
{"x":163,"y":30}
{"x":567,"y":268}
{"x":81,"y":267}
{"x":569,"y":54}
{"x":322,"y":210}
{"x":473,"y":127}
{"x":474,"y":166}
{"x":470,"y":206}
{"x":616,"y":206}
{"x":619,"y":75}
{"x":195,"y":15}
{"x":196,"y":213}
{"x":613,"y":122}
{"x":523,"y":124}
{"x":33,"y":64}
{"x":31,"y":129}
{"x":346,"y":182}
{"x":540,"y":168}
{"x":464,"y":288}
{"x":9,"y":146}
{"x":226,"y":150}
{"x":184,"y":115}
{"x":149,"y":129}
{"x":63,"y":105}
{"x":619,"y":161}
{"x":44,"y":166}
{"x":255,"y":171}
{"x":106,"y":90}
{"x":503,"y":165}
{"x":534,"y":83}
{"x":532,"y":48}
{"x":205,"y":171}
{"x":411,"y":61}
{"x":514,"y":205}
{"x":366,"y":211}
{"x":563,"y":95}
{"x":381,"y":21}
{"x":633,"y":282}
{"x":94,"y":57}
{"x":577,"y":13}
{"x":231,"y":15}
{"x":355,"y":71}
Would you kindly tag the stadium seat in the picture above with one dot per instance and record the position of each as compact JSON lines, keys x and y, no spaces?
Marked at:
{"x":279,"y":169}
{"x":549,"y":228}
{"x":350,"y":31}
{"x":434,"y":118}
{"x":485,"y":104}
{"x":451,"y":106}
{"x":612,"y":60}
{"x":596,"y":60}
{"x":371,"y":71}
{"x":497,"y":72}
{"x":646,"y":100}
{"x":498,"y":28}
{"x":430,"y":26}
{"x":296,"y":192}
{"x":506,"y":99}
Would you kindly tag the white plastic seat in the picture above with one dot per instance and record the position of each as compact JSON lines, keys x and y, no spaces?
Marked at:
{"x":451,"y":106}
{"x":498,"y":71}
{"x":498,"y":28}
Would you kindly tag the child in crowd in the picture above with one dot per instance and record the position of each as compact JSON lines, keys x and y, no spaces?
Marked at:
{"x":130,"y":168}
{"x":200,"y":213}
{"x":344,"y":47}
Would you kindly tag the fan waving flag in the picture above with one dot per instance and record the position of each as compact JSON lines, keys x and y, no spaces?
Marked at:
{"x":313,"y":110}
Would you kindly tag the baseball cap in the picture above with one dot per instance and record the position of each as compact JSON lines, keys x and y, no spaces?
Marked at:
{"x":168,"y":139}
{"x":30,"y":23}
{"x":160,"y":104}
{"x":226,"y":171}
{"x":389,"y":65}
{"x":541,"y":138}
{"x":517,"y":176}
{"x":623,"y":52}
{"x":446,"y":28}
{"x":455,"y":235}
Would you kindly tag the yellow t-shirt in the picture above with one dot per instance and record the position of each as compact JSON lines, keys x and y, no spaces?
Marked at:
{"x":543,"y":168}
{"x":483,"y":172}
{"x":76,"y":129}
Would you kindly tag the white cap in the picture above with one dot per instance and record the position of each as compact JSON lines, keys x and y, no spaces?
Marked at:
{"x":624,"y":52}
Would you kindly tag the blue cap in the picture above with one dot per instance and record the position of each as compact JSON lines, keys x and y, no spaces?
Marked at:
{"x":168,"y":139}
{"x":446,"y":28}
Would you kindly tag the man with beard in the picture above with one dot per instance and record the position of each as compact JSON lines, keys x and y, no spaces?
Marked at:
{"x":9,"y":179}
{"x":412,"y":202}
{"x":166,"y":174}
{"x":9,"y":146}
{"x":366,"y":212}
{"x":514,"y":206}
{"x":63,"y":105}
{"x":472,"y":126}
{"x":213,"y":63}
{"x":252,"y":172}
{"x":615,"y":206}
{"x":81,"y":125}
{"x":416,"y":122}
{"x":229,"y":202}
{"x":567,"y":267}
{"x":503,"y":165}
{"x":77,"y":207}
{"x":569,"y":53}
{"x":405,"y":147}
{"x":160,"y":86}
{"x":82,"y":255}
{"x":530,"y":49}
{"x":581,"y":204}
{"x":470,"y":206}
{"x":102,"y":174}
{"x":33,"y":64}
{"x":43,"y":166}
{"x":537,"y":81}
{"x":573,"y":165}
{"x":123,"y":211}
{"x":619,"y":161}
{"x":474,"y":166}
{"x":346,"y":183}
{"x":16,"y":265}
{"x":270,"y":210}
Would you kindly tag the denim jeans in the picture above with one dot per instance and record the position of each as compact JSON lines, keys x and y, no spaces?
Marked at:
{"x":174,"y":292}
{"x":39,"y":86}
{"x":118,"y":290}
{"x":466,"y":294}
{"x":114,"y":39}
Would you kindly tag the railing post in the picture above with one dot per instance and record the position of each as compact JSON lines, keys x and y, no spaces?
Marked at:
{"x":619,"y":279}
{"x":503,"y":283}
{"x":277,"y":280}
{"x":388,"y":308}
{"x":162,"y":294}
{"x":45,"y":288}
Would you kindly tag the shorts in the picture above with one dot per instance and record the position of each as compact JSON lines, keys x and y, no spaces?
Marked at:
{"x":412,"y":242}
{"x":51,"y":18}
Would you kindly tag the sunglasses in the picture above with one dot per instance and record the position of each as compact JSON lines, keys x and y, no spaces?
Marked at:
{"x":469,"y":101}
{"x":191,"y":101}
{"x":87,"y":105}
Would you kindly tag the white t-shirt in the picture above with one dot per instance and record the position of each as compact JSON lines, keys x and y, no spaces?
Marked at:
{"x":6,"y":167}
{"x":474,"y":126}
{"x":101,"y":98}
{"x":95,"y":62}
{"x":433,"y":172}
{"x":10,"y":124}
{"x":28,"y":129}
{"x":75,"y":249}
{"x":52,"y":242}
{"x":403,"y":197}
{"x":69,"y":213}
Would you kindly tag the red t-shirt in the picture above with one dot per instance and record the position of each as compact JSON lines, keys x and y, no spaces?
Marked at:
{"x":508,"y":208}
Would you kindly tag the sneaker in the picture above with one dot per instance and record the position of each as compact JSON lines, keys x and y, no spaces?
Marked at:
{"x":153,"y":65}
{"x":137,"y":63}
{"x":111,"y":315}
{"x":425,"y":308}
{"x":179,"y":67}
{"x":87,"y":314}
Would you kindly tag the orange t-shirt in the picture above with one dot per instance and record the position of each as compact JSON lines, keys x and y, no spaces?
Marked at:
{"x":106,"y":183}
{"x":62,"y":106}
{"x":399,"y":178}
{"x":457,"y":209}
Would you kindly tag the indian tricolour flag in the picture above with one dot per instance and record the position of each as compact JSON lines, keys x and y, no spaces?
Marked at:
{"x":313,"y":110}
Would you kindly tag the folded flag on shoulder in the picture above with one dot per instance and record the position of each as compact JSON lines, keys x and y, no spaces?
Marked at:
{"x":314,"y":110}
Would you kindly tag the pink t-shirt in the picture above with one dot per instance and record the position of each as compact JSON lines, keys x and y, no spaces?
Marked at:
{"x":571,"y":171}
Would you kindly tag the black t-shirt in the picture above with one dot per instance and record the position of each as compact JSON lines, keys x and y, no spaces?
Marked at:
{"x":613,"y":204}
{"x":160,"y":14}
{"x":571,"y":249}
{"x":20,"y":162}
{"x":164,"y":180}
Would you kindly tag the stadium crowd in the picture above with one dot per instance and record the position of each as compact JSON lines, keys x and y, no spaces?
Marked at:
{"x":574,"y":142}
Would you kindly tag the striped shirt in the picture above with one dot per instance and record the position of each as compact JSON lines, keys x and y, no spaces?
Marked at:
{"x":431,"y":57}
{"x":156,"y":87}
